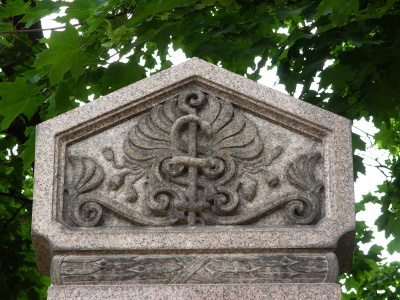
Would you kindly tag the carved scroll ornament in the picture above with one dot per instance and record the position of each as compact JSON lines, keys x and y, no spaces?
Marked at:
{"x":197,"y":153}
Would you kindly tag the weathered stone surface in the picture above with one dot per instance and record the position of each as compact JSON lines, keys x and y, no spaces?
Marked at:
{"x":194,"y":269}
{"x":199,"y":292}
{"x":194,"y":170}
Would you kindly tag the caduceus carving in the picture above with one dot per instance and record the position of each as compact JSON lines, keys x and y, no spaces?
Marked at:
{"x":192,"y":144}
{"x":197,"y":153}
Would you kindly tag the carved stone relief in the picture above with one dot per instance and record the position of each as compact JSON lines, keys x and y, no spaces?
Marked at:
{"x":194,"y":160}
{"x":195,"y":269}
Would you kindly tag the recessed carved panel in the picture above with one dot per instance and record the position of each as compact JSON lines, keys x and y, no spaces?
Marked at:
{"x":194,"y":160}
{"x":195,"y":269}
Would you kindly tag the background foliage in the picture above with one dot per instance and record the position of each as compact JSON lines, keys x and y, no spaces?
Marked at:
{"x":351,"y":45}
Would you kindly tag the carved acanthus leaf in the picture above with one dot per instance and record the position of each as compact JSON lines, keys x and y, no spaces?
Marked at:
{"x":231,"y":131}
{"x":83,"y":174}
{"x":302,"y":175}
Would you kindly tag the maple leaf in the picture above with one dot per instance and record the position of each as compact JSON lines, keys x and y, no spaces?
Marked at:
{"x":65,"y":53}
{"x":18,"y":98}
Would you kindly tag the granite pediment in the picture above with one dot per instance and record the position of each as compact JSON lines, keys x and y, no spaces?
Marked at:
{"x":194,"y":158}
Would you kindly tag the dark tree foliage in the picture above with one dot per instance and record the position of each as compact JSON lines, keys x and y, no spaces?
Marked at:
{"x":351,"y":45}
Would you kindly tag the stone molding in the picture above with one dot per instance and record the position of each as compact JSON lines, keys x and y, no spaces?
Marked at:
{"x":277,"y":291}
{"x":194,"y":269}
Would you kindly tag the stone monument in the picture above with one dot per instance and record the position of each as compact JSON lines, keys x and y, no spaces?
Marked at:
{"x":195,"y":183}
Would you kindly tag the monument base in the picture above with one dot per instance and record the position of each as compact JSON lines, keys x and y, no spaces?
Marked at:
{"x":290,"y":291}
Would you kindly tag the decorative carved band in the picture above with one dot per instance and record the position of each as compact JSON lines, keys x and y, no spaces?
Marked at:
{"x":197,"y":154}
{"x":200,"y":269}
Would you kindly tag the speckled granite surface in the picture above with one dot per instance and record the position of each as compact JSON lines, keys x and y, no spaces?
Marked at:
{"x":192,"y":163}
{"x":199,"y":292}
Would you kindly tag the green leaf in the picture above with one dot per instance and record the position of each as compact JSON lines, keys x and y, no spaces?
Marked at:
{"x":369,"y":198}
{"x":393,"y":246}
{"x":392,"y":226}
{"x":389,"y":138}
{"x":283,"y":13}
{"x":151,"y":8}
{"x":41,"y":9}
{"x":79,"y":9}
{"x":63,"y":99}
{"x":28,"y":154}
{"x":14,"y":8}
{"x":375,"y":250}
{"x":339,"y":10}
{"x":4,"y":42}
{"x":65,"y":53}
{"x":357,"y":142}
{"x":338,"y":76}
{"x":350,"y":283}
{"x":119,"y":75}
{"x":18,"y":98}
{"x":358,"y":166}
{"x":360,"y":207}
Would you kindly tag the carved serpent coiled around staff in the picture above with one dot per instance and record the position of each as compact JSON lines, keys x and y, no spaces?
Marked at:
{"x":193,"y":151}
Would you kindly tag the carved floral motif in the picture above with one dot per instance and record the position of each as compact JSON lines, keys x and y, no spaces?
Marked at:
{"x":198,"y":155}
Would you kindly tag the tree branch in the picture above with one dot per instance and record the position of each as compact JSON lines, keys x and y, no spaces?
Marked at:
{"x":3,"y":230}
{"x":366,"y":133}
{"x":36,"y":30}
{"x":18,"y":197}
{"x":379,"y":169}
